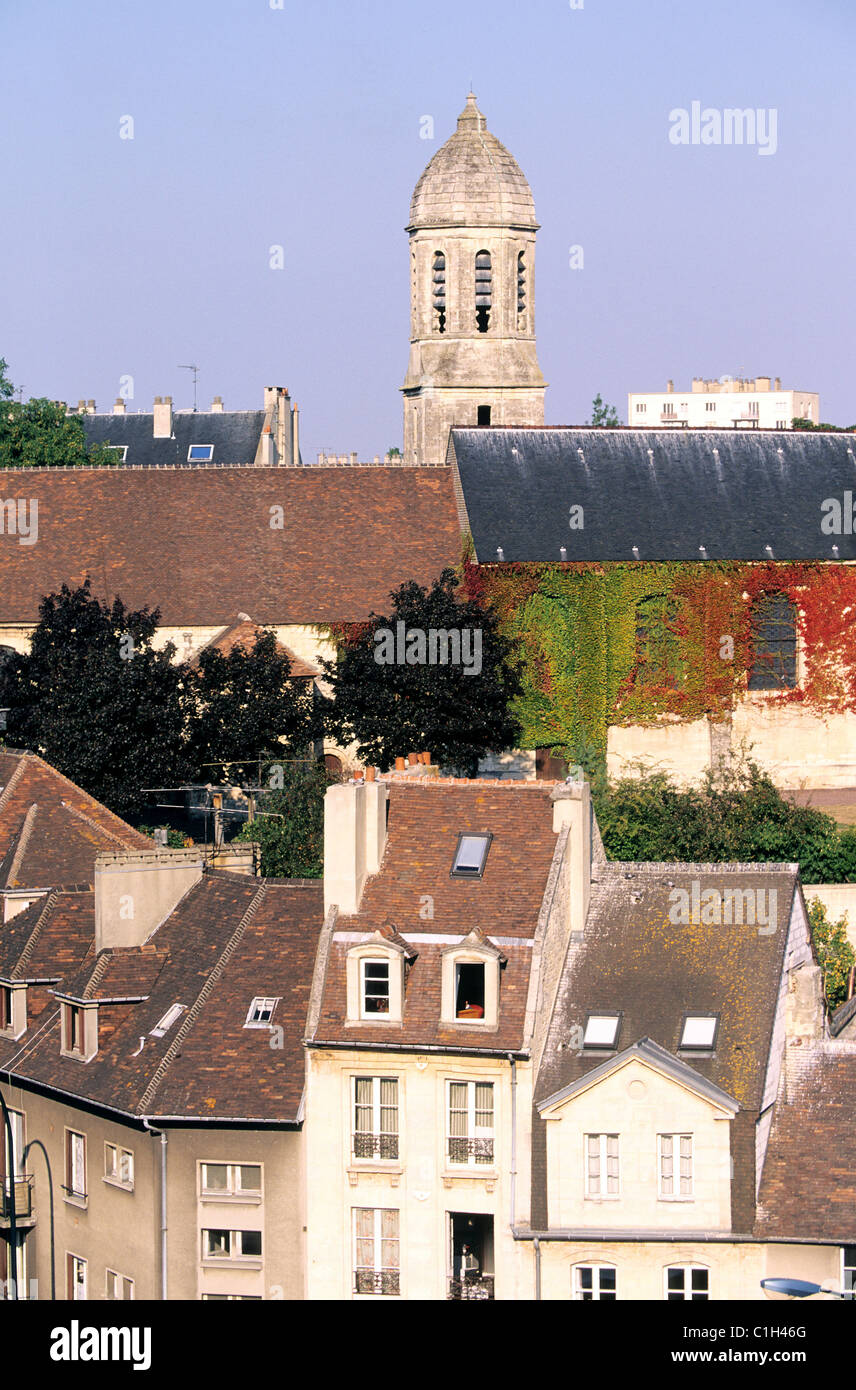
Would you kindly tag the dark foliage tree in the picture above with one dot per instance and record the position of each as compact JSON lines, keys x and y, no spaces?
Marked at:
{"x":247,"y":707}
{"x":392,"y":699}
{"x":289,"y":822}
{"x":96,"y":700}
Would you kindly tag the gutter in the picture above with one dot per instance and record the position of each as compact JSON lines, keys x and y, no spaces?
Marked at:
{"x":163,"y":1224}
{"x":361,"y":1046}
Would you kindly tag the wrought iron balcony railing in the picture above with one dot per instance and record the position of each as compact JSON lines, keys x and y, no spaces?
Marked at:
{"x":478,"y":1286}
{"x":375,"y":1146}
{"x":21,"y":1191}
{"x":386,"y":1281}
{"x":462,"y":1150}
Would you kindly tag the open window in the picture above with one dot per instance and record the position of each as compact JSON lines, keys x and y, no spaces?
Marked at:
{"x":470,"y":981}
{"x":79,"y":1030}
{"x":13,"y":1010}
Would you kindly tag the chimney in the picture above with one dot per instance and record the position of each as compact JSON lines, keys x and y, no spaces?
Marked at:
{"x":163,"y":417}
{"x":762,"y":383}
{"x":119,"y":406}
{"x":90,"y":407}
{"x":572,"y":807}
{"x":670,"y":386}
{"x":354,"y":841}
{"x":81,"y":407}
{"x":804,"y":1005}
{"x":283,"y":425}
{"x":135,"y":892}
{"x":267,"y":457}
{"x":295,"y":435}
{"x":354,"y":458}
{"x":217,"y":405}
{"x":778,"y":385}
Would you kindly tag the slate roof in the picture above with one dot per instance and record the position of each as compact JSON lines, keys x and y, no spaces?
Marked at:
{"x":235,"y":435}
{"x":198,"y":542}
{"x":808,"y":1187}
{"x":425,"y":819}
{"x":50,"y":830}
{"x":633,"y":960}
{"x":230,"y":939}
{"x":667,"y":492}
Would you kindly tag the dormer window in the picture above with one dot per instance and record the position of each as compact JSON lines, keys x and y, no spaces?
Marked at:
{"x":200,"y":453}
{"x":698,"y":1032}
{"x":79,"y":1030}
{"x":601,"y":1031}
{"x":13,"y":1010}
{"x":261,"y":1012}
{"x":470,"y":856}
{"x":375,"y":974}
{"x":469,"y":990}
{"x":470,"y":982}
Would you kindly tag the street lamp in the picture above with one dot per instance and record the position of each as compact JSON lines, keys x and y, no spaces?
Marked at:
{"x":796,"y":1288}
{"x":10,"y":1178}
{"x":37,"y":1144}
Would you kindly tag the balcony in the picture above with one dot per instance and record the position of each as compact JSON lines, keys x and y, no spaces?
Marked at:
{"x":477,"y":1286}
{"x":464,"y":1151}
{"x":21,"y":1193}
{"x":370,"y":1281}
{"x":383,"y":1146}
{"x":667,"y":418}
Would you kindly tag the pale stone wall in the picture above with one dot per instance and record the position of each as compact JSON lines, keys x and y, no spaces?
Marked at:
{"x":638,"y":1103}
{"x":768,"y":408}
{"x":838,"y":899}
{"x":736,"y":1270}
{"x":419,"y":1185}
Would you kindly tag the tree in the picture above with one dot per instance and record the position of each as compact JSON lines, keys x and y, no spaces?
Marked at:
{"x":39,"y":434}
{"x":835,"y":955}
{"x":435,"y":675}
{"x":603,"y":416}
{"x":799,"y":422}
{"x":289,"y":824}
{"x":246,"y":707}
{"x":96,"y":700}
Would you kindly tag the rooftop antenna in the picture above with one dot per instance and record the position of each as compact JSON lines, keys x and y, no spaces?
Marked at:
{"x":191,"y":367}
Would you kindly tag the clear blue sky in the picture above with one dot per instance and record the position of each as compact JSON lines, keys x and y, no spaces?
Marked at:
{"x":300,"y":126}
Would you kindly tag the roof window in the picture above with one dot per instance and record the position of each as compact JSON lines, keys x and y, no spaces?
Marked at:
{"x":261,"y":1012}
{"x":170,"y":1017}
{"x":200,"y":453}
{"x":699,"y":1031}
{"x":470,"y":856}
{"x":602,"y":1030}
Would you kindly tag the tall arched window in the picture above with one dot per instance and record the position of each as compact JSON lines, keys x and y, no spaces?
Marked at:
{"x":658,"y":652}
{"x":439,"y":291}
{"x":774,"y":643}
{"x":484,"y":290}
{"x":521,"y":288}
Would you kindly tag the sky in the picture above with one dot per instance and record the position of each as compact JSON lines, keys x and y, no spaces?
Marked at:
{"x":260,"y":124}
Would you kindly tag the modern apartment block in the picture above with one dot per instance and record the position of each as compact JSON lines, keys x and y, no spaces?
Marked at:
{"x":729,"y":403}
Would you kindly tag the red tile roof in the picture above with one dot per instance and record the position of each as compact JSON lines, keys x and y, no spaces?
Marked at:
{"x":204,"y":544}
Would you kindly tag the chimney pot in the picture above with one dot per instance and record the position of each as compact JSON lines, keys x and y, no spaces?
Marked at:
{"x":399,"y":764}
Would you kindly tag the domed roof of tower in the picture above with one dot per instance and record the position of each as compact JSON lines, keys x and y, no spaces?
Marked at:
{"x":472,"y":181}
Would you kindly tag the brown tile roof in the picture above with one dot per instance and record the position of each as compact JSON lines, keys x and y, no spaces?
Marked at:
{"x":244,"y":634}
{"x":425,"y":818}
{"x":230,"y":939}
{"x":51,"y":830}
{"x":808,"y":1187}
{"x":199,"y":544}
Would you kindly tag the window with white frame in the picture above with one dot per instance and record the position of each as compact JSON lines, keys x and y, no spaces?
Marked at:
{"x":230,"y":1179}
{"x":687,"y":1283}
{"x":16,"y":1118}
{"x":375,"y":1134}
{"x":261,"y":1012}
{"x":73,"y":1022}
{"x":698,"y":1032}
{"x":75,"y":1165}
{"x":374,"y":987}
{"x":118,"y":1165}
{"x":471,"y":1135}
{"x":76,"y":1278}
{"x":848,"y":1269}
{"x":219,"y":1244}
{"x":595,"y":1283}
{"x":200,"y":453}
{"x":119,"y":1286}
{"x":121,"y":450}
{"x":377,"y":1261}
{"x":675,"y":1167}
{"x":601,"y":1030}
{"x":602,"y":1165}
{"x":172,"y":1015}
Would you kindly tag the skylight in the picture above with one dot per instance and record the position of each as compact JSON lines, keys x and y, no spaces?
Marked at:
{"x":261,"y":1012}
{"x":470,"y":856}
{"x":699,"y":1031}
{"x":200,"y":453}
{"x":170,"y":1017}
{"x":601,"y":1030}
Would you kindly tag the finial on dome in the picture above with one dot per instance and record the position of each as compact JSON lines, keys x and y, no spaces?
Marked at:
{"x":471,"y":117}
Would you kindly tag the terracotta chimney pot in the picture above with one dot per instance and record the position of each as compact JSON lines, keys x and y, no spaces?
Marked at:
{"x":399,"y":764}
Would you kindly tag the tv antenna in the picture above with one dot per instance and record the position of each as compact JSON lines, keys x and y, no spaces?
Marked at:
{"x":191,"y":367}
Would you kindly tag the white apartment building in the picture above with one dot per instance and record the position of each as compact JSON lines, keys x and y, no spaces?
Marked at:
{"x":730,"y":403}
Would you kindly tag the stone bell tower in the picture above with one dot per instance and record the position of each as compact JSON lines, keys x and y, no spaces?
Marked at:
{"x":472,"y":294}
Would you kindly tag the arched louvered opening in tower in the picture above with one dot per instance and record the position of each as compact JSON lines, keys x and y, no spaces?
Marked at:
{"x":439,"y":292}
{"x":521,"y":289}
{"x":484,"y":290}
